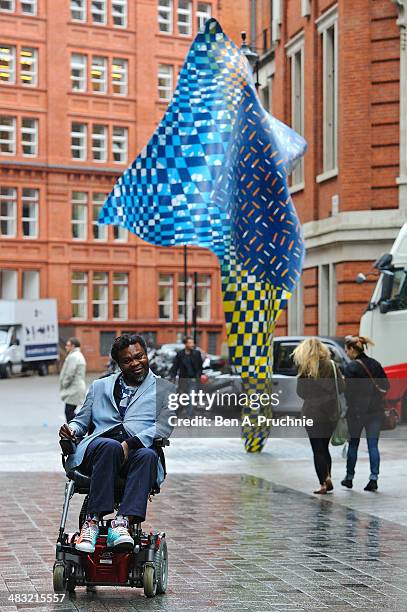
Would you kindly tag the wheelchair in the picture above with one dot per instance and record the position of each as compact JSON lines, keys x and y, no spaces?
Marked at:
{"x":146,"y":566}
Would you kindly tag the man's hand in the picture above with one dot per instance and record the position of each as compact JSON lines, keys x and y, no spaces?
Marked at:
{"x":67,"y":432}
{"x":125,"y":448}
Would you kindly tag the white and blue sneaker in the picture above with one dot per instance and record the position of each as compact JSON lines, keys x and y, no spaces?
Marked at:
{"x":118,"y":535}
{"x":88,"y":536}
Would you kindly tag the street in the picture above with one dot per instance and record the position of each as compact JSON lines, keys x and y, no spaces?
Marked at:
{"x":244,"y":531}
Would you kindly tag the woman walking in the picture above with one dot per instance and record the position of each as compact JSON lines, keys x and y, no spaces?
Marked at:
{"x":366,"y":385}
{"x":318,"y":380}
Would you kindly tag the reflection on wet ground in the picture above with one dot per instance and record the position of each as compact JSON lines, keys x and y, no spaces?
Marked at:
{"x":235,"y":543}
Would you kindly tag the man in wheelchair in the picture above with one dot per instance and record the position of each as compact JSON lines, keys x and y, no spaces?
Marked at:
{"x":115,"y":431}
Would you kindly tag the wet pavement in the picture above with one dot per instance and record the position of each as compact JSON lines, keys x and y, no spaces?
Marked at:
{"x":236,"y":542}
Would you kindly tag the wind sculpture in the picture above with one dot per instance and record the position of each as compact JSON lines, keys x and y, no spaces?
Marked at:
{"x":214,"y":175}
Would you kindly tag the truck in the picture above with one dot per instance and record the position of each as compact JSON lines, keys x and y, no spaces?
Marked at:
{"x":385,"y":320}
{"x":28,"y":336}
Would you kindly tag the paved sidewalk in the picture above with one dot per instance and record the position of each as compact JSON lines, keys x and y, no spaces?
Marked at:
{"x":235,"y":543}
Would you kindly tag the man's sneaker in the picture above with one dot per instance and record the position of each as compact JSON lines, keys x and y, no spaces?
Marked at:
{"x":118,"y":536}
{"x":346,"y":482}
{"x":87,"y":538}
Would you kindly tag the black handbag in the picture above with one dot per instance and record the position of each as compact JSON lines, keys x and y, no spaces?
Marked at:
{"x":390,"y":415}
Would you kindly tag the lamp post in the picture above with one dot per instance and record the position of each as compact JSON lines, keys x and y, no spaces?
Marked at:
{"x":185,"y":291}
{"x":252,"y":57}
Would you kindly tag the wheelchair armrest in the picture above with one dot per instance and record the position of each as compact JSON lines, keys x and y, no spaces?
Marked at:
{"x":68,"y":447}
{"x":161,"y":442}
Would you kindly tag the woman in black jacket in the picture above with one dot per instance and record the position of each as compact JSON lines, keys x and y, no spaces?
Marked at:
{"x":366,"y":385}
{"x":316,"y":386}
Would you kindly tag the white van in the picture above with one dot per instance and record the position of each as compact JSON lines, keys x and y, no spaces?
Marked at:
{"x":28,"y":336}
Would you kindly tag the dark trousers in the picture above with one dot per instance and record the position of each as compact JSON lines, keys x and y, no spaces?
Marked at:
{"x":319,"y":437}
{"x":372,"y":425}
{"x":103,"y":461}
{"x":69,"y":412}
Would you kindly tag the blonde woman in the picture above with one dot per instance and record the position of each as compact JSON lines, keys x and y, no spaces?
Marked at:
{"x":316,"y":386}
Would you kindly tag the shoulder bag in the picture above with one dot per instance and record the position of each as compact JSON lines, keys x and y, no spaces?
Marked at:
{"x":341,"y":431}
{"x":390,"y":415}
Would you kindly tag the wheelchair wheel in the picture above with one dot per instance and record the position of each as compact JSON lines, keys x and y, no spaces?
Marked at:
{"x":83,"y":512}
{"x":161,"y":566}
{"x":149,"y":581}
{"x":59,"y":578}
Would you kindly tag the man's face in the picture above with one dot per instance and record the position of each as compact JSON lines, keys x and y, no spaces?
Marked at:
{"x":68,"y":347}
{"x":189,"y":344}
{"x":133,"y":362}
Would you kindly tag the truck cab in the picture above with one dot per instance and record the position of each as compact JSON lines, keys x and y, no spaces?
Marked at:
{"x":385,"y":320}
{"x":10,"y":351}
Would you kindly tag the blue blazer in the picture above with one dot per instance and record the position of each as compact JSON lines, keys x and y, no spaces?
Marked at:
{"x":146,"y":416}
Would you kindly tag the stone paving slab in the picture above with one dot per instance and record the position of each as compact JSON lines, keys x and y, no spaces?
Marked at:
{"x":236,"y":542}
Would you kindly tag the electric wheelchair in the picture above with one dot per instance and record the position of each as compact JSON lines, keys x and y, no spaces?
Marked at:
{"x":146,"y":566}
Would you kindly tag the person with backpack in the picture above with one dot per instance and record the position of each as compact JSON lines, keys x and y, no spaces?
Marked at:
{"x":366,"y":386}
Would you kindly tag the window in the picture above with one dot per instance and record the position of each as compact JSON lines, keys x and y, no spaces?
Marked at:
{"x":98,"y":74}
{"x":99,"y":143}
{"x":181,"y":297}
{"x":31,"y":285}
{"x":79,"y":299}
{"x":28,"y":66}
{"x":99,"y":295}
{"x":79,"y":215}
{"x":99,"y":11}
{"x":327,"y":300}
{"x":165,"y":76}
{"x":106,"y":340}
{"x":29,"y":7}
{"x":327,"y":27}
{"x":8,"y":211}
{"x":99,"y":230}
{"x":78,"y":141}
{"x":295,"y":311}
{"x":7,"y":64}
{"x":283,"y":361}
{"x":119,"y":76}
{"x":165,"y":296}
{"x":398,"y":296}
{"x":29,"y":136}
{"x":119,"y":233}
{"x":7,"y":6}
{"x":119,"y":145}
{"x":7,"y":135}
{"x":185,"y":17}
{"x":203,"y":297}
{"x":165,"y":16}
{"x":78,"y":72}
{"x":120,"y":295}
{"x":30,"y":202}
{"x":8,"y":284}
{"x":203,"y":13}
{"x":78,"y":10}
{"x":119,"y":13}
{"x":296,"y":56}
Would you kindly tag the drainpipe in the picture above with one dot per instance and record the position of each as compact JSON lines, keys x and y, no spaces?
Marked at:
{"x":253,"y":24}
{"x":402,"y":179}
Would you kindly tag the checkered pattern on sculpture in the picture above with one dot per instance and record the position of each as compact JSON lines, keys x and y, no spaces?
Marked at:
{"x":214,"y":174}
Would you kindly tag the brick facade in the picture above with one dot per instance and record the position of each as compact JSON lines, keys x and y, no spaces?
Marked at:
{"x":54,"y":253}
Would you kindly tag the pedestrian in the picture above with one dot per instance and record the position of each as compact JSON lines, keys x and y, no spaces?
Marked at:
{"x":188,"y":365}
{"x":318,"y":380}
{"x":366,"y":386}
{"x":72,"y":378}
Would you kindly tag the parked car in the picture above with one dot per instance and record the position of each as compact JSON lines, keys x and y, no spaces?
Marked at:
{"x":284,"y":374}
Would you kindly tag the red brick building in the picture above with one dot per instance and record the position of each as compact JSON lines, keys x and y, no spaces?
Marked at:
{"x":332,"y":71}
{"x":83,"y":84}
